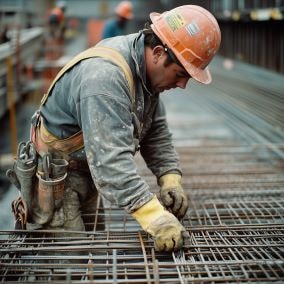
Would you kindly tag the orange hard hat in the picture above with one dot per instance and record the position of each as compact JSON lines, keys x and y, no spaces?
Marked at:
{"x":125,"y":10}
{"x":193,"y":35}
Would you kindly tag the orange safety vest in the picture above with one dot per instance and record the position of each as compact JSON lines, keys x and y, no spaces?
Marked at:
{"x":75,"y":142}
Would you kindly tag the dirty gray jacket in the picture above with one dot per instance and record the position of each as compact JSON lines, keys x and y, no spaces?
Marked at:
{"x":94,"y":97}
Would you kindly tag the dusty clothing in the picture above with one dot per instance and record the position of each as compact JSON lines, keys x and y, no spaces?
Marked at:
{"x":94,"y":97}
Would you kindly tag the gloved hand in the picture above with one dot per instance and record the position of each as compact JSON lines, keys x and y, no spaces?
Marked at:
{"x":163,"y":226}
{"x":172,"y":195}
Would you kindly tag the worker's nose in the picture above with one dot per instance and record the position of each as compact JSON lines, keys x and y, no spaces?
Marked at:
{"x":181,"y":83}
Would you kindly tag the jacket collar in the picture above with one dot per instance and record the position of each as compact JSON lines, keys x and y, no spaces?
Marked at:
{"x":138,"y":55}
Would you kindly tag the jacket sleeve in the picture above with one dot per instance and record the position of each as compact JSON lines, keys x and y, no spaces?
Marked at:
{"x":105,"y":118}
{"x":157,"y":148}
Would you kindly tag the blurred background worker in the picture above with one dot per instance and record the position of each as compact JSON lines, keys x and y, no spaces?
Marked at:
{"x":55,"y":38}
{"x":56,"y":20}
{"x":116,"y":26}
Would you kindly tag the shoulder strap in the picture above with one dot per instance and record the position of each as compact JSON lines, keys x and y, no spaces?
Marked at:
{"x":97,"y":51}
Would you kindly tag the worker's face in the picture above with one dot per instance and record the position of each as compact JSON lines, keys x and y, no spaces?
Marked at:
{"x":164,"y":77}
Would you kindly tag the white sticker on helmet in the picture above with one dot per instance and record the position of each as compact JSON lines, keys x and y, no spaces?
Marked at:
{"x":192,"y":28}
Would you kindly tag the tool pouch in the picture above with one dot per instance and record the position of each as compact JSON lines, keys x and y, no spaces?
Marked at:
{"x":26,"y":177}
{"x":40,"y":181}
{"x":22,"y":175}
{"x":44,"y":201}
{"x":49,"y":195}
{"x":59,"y":174}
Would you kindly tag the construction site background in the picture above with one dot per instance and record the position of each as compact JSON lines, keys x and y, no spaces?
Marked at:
{"x":229,"y":136}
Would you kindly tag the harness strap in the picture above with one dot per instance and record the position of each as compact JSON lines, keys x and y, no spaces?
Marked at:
{"x":97,"y":51}
{"x":76,"y":142}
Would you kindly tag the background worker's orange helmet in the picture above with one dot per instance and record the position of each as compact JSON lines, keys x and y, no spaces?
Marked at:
{"x":58,"y":13}
{"x":125,"y":10}
{"x":194,"y":36}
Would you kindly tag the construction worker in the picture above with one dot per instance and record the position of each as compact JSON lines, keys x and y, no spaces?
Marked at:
{"x":116,"y":26}
{"x":56,"y":20}
{"x":100,"y":110}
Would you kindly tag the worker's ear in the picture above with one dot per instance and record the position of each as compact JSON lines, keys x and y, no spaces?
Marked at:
{"x":158,"y":52}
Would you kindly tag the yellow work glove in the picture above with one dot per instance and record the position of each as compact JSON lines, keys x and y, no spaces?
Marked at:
{"x":164,"y":227}
{"x":172,"y":195}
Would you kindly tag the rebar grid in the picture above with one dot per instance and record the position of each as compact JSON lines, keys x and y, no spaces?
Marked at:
{"x":235,"y":224}
{"x":218,"y":254}
{"x":234,"y":213}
